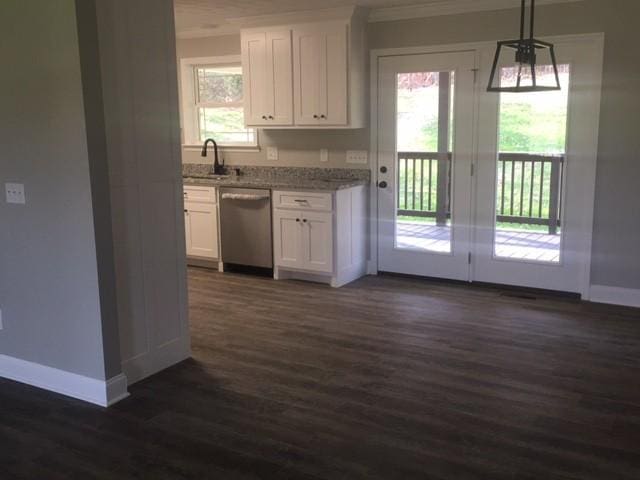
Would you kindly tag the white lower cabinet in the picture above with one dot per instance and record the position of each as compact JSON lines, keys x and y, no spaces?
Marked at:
{"x":303,"y":240}
{"x":287,"y":239}
{"x":320,"y":236}
{"x":201,"y":223}
{"x":317,"y":241}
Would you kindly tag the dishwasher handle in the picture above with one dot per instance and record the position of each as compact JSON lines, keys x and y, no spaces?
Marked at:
{"x":245,"y":196}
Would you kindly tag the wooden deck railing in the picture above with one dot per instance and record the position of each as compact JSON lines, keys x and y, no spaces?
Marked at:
{"x":529,"y":188}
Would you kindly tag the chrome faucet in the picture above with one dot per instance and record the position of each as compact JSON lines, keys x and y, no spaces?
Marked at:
{"x":218,"y":168}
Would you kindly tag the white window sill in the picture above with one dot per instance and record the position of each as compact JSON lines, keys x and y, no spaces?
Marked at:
{"x":225,"y":148}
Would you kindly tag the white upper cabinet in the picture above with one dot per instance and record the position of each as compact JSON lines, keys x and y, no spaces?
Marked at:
{"x":320,"y":74}
{"x":267,"y":74}
{"x":306,"y":75}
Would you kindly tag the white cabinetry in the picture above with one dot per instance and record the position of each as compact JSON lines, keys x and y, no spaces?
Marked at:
{"x":267,"y":73}
{"x":306,"y":75}
{"x":320,"y":74}
{"x":201,"y":222}
{"x":320,"y":236}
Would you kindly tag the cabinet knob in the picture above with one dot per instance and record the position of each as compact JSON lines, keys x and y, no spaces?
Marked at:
{"x":264,"y":117}
{"x":270,"y":117}
{"x":382,"y":184}
{"x":186,"y":211}
{"x":297,"y":219}
{"x":323,"y":116}
{"x":305,"y":220}
{"x":316,"y":116}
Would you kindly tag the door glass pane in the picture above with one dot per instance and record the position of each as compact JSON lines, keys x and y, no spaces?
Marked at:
{"x":530,"y":169}
{"x":424,"y":156}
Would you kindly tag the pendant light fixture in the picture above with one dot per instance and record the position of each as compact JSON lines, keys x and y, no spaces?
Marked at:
{"x":527,"y":51}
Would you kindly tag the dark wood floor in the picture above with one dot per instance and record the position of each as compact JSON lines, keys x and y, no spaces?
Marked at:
{"x":386,"y":378}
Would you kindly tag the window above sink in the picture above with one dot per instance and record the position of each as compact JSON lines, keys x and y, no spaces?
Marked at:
{"x":212,"y":103}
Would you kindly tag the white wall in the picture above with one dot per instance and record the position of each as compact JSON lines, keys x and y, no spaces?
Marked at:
{"x":139,"y":73}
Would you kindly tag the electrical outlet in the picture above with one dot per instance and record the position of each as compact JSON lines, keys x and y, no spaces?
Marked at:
{"x":15,"y":193}
{"x":324,"y":155}
{"x":358,"y":156}
{"x":272,"y":153}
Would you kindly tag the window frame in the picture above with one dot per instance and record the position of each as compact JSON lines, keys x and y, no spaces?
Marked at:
{"x":190,"y":117}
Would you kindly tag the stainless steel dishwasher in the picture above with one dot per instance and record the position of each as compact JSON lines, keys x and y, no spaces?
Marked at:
{"x":245,"y":227}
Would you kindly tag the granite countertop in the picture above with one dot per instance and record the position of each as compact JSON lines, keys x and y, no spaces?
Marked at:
{"x":278,"y":178}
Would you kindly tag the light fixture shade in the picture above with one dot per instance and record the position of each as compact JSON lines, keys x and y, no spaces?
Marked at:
{"x":529,"y":56}
{"x":523,"y":56}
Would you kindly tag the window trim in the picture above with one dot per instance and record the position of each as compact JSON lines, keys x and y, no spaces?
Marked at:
{"x":188,"y":113}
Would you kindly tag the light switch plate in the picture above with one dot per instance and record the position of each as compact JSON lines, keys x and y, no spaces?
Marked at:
{"x":15,"y":193}
{"x":272,"y":153}
{"x":324,"y":155}
{"x":358,"y":156}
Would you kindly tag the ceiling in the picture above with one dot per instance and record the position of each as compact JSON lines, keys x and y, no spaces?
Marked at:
{"x":198,"y":18}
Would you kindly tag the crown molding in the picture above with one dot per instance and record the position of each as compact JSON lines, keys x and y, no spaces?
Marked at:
{"x":232,"y":26}
{"x":448,"y":7}
{"x":338,"y":13}
{"x":201,"y":32}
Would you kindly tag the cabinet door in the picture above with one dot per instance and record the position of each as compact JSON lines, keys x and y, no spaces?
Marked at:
{"x":335,"y":58}
{"x":187,"y":231}
{"x":317,"y":241}
{"x":201,"y":225}
{"x":320,"y":74}
{"x":255,"y":78}
{"x":287,"y":239}
{"x":268,"y":82}
{"x":280,"y":78}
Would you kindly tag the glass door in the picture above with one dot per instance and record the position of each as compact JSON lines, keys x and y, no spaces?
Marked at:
{"x":425,"y":105}
{"x":535,"y":177}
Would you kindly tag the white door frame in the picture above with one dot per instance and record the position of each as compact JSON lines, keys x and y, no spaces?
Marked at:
{"x":590,"y":167}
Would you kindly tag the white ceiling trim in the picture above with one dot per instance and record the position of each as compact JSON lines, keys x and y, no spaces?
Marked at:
{"x":447,"y":7}
{"x":201,"y":32}
{"x":303,"y":16}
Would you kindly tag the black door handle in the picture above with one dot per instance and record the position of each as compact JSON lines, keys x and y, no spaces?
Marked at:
{"x":382,"y":184}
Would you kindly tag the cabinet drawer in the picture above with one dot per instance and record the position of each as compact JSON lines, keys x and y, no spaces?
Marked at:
{"x":193,"y":193}
{"x":303,"y":201}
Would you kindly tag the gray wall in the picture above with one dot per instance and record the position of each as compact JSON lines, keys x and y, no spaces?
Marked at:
{"x":49,"y":278}
{"x":616,"y":255}
{"x":301,"y":148}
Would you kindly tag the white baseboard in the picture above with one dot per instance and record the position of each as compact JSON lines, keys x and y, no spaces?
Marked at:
{"x":98,"y":392}
{"x":615,"y":296}
{"x":372,"y":267}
